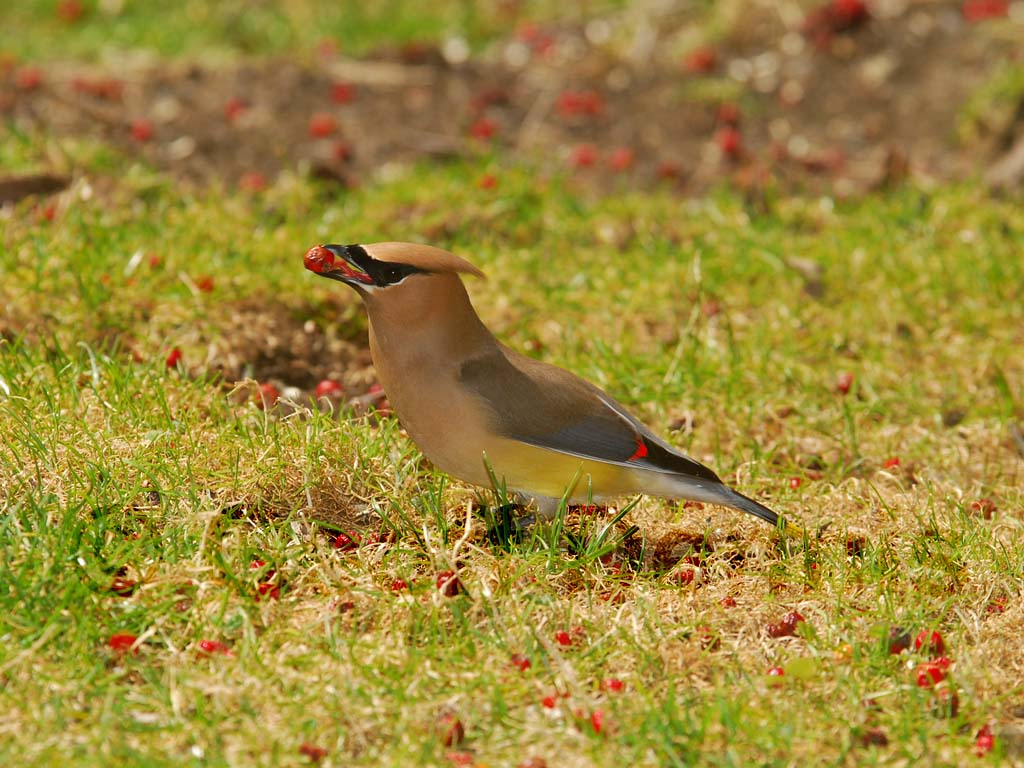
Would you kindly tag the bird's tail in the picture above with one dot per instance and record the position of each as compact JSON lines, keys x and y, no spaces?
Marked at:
{"x":737,"y":500}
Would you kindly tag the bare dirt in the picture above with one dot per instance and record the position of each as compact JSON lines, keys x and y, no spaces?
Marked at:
{"x":823,"y":104}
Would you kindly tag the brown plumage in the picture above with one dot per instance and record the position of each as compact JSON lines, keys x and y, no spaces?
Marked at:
{"x":467,"y":400}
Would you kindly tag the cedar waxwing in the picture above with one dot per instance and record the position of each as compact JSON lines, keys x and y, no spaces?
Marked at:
{"x":469,"y":401}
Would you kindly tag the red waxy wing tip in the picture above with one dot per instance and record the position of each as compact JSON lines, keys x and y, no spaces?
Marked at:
{"x":318,"y":259}
{"x":641,"y":449}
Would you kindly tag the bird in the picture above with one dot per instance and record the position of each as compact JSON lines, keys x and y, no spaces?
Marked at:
{"x":480,"y":411}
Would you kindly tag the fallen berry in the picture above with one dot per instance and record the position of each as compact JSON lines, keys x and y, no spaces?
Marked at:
{"x":728,"y":114}
{"x":70,"y":11}
{"x":211,"y":647}
{"x":268,"y":590}
{"x":123,"y":587}
{"x":483,"y":129}
{"x":28,"y":78}
{"x":985,"y":506}
{"x":234,"y":108}
{"x":776,"y":672}
{"x":267,"y":395}
{"x":312,"y":751}
{"x":613,"y":685}
{"x":520,"y":662}
{"x":345,"y":541}
{"x":979,"y":10}
{"x":931,"y":642}
{"x":786,"y":626}
{"x":727,"y":602}
{"x":729,"y":142}
{"x":342,"y":93}
{"x":891,"y":463}
{"x":173,"y":358}
{"x":843,"y":382}
{"x":621,"y":159}
{"x":583,"y":156}
{"x":142,"y":130}
{"x":123,"y":642}
{"x":597,"y":719}
{"x":984,"y":741}
{"x":929,"y":674}
{"x":843,"y":653}
{"x":996,"y":605}
{"x":448,"y":584}
{"x":204,"y":283}
{"x":397,"y":585}
{"x":700,"y":60}
{"x":488,"y":181}
{"x":322,"y":125}
{"x":899,"y":640}
{"x":549,"y":701}
{"x":341,"y":151}
{"x":573,"y":103}
{"x":329,"y":388}
{"x":460,"y":758}
{"x":563,"y":638}
{"x":669,"y":171}
{"x":533,"y":762}
{"x":450,"y":730}
{"x":252,"y":181}
{"x":795,"y":482}
{"x":946,"y":702}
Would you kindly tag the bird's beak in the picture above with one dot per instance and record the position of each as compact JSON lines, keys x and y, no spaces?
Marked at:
{"x":335,"y":262}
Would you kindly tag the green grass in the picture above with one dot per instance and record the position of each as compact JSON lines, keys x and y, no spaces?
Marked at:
{"x":112,"y":466}
{"x":34,"y":29}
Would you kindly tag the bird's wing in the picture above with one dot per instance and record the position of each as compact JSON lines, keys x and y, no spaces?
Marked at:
{"x":551,"y":408}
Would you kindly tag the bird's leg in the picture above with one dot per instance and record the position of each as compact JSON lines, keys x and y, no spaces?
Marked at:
{"x":507,"y":523}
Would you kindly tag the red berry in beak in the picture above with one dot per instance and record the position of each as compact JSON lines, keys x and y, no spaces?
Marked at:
{"x":318,"y":259}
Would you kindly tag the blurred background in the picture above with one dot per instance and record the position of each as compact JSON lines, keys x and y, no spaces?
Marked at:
{"x":837,"y":96}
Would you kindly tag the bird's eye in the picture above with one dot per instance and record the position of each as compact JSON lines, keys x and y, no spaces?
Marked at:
{"x":392,"y":275}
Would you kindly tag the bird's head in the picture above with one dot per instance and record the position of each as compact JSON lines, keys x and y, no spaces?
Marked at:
{"x":383,"y":267}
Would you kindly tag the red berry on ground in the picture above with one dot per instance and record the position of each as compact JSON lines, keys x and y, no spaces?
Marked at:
{"x":123,"y":587}
{"x":669,"y":171}
{"x":986,"y":507}
{"x":398,"y":585}
{"x":267,"y":395}
{"x":843,"y":382}
{"x":342,"y":93}
{"x":729,"y":114}
{"x":70,"y":11}
{"x":28,"y":78}
{"x":448,"y":583}
{"x":211,"y":647}
{"x":488,"y":181}
{"x":322,"y":125}
{"x":899,"y":640}
{"x":483,"y":129}
{"x":931,"y":642}
{"x":700,"y":60}
{"x":252,"y":181}
{"x":234,"y":107}
{"x":597,"y":720}
{"x":520,"y":662}
{"x":984,"y":741}
{"x":786,"y":626}
{"x":727,"y":602}
{"x":776,"y":672}
{"x":929,"y":674}
{"x":891,"y":463}
{"x":312,"y":751}
{"x":122,"y":642}
{"x":173,"y":358}
{"x":204,"y":283}
{"x":345,"y":541}
{"x":142,"y":130}
{"x":341,"y":151}
{"x":563,"y":638}
{"x":979,"y":10}
{"x":795,"y":482}
{"x":549,"y":701}
{"x":451,"y":730}
{"x":329,"y":388}
{"x":583,"y":156}
{"x":621,"y":159}
{"x":730,"y":142}
{"x":613,"y":685}
{"x":268,"y":590}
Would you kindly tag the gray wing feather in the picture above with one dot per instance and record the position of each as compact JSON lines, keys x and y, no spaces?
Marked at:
{"x":551,"y":408}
